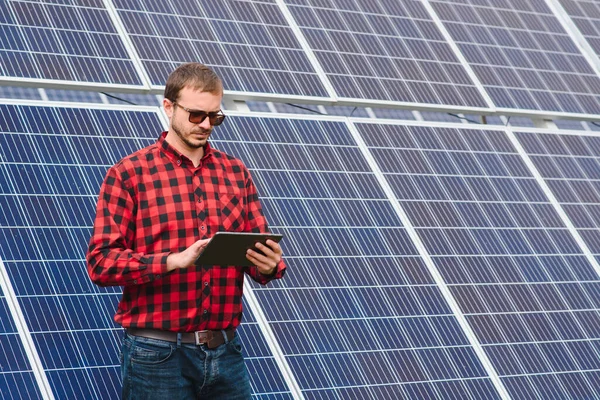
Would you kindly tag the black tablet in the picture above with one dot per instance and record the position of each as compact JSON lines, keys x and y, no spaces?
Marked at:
{"x":229,"y":248}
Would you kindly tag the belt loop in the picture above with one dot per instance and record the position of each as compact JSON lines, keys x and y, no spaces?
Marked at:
{"x":178,"y":339}
{"x":224,"y":333}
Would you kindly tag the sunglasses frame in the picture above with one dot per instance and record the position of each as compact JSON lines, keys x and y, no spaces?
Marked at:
{"x":215,"y":117}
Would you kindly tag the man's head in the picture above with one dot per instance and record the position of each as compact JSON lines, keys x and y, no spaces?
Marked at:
{"x":193,"y":95}
{"x":196,"y":76}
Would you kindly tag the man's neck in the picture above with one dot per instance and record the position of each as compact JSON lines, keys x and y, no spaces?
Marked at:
{"x":194,"y":154}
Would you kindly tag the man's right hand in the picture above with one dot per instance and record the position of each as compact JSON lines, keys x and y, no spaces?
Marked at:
{"x":187,"y":257}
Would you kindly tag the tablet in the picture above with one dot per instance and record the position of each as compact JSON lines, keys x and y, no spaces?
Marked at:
{"x":229,"y":248}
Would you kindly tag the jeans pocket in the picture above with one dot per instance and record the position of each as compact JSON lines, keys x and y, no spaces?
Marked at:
{"x":144,"y":352}
{"x":235,"y":345}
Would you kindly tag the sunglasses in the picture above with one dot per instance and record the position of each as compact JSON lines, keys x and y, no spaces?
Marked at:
{"x":198,"y":116}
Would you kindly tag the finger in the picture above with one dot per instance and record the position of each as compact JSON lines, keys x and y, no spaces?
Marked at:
{"x":262,"y":268}
{"x":264,"y":249}
{"x":274,"y":246}
{"x":255,"y":257}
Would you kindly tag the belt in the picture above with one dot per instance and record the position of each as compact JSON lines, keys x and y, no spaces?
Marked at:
{"x":211,"y":339}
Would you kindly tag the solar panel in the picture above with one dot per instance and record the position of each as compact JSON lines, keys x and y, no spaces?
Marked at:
{"x":52,"y":162}
{"x":358,"y":315}
{"x":385,"y":51}
{"x":248,"y":43}
{"x":17,"y":378}
{"x":73,"y":42}
{"x":526,"y":288}
{"x":22,"y":93}
{"x":570,"y":165}
{"x":522,"y":55}
{"x":586,"y":16}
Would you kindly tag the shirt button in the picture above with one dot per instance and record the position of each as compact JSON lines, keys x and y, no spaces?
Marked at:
{"x":199,"y":200}
{"x":202,"y":227}
{"x":178,"y":162}
{"x":205,"y":283}
{"x":205,"y":311}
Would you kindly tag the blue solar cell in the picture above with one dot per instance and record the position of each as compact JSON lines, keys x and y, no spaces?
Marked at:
{"x":7,"y":325}
{"x":87,"y":382}
{"x":14,"y":356}
{"x":21,"y":383}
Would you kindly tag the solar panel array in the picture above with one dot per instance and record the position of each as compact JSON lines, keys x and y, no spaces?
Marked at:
{"x":248,"y":43}
{"x":375,"y":52}
{"x":53,"y":161}
{"x":358,"y":315}
{"x":426,"y":259}
{"x":48,"y":193}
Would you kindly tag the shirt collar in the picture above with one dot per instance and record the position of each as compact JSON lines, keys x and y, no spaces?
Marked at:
{"x":175,"y":155}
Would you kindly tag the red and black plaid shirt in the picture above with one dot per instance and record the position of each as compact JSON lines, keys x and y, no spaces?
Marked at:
{"x":155,"y":202}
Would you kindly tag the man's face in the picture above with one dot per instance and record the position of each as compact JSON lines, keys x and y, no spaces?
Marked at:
{"x":189,"y":135}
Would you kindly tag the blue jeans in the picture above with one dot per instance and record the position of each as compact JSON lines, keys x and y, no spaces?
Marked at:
{"x":157,"y":369}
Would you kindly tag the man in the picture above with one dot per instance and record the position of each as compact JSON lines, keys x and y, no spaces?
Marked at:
{"x":156,"y":211}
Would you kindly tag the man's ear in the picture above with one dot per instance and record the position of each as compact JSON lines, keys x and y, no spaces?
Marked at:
{"x":168,"y":106}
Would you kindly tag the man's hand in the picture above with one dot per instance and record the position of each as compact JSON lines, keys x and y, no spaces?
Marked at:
{"x":187,"y":257}
{"x":266,"y":263}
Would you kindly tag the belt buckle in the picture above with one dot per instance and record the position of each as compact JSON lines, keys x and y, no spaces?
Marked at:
{"x":200,"y":341}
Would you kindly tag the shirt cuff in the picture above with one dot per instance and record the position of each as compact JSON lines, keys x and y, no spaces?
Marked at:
{"x":152,"y":267}
{"x":277,"y":273}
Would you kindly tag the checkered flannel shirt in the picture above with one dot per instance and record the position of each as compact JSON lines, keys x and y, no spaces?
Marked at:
{"x":155,"y":202}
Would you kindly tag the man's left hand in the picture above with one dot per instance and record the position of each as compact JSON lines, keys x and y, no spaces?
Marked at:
{"x":266,"y":263}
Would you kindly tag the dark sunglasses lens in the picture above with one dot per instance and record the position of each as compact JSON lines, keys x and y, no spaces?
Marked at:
{"x":197,"y":117}
{"x":216,"y":119}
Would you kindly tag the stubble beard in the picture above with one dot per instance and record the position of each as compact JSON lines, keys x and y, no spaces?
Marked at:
{"x":192,"y":145}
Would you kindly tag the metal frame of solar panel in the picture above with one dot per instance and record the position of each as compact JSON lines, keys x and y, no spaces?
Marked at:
{"x":65,"y":44}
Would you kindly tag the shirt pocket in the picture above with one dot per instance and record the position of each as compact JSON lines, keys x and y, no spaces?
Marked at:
{"x":231,"y":212}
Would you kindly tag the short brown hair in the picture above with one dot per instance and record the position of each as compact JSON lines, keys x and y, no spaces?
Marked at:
{"x":195,"y":76}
